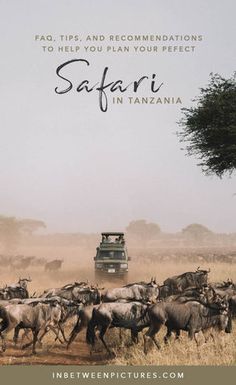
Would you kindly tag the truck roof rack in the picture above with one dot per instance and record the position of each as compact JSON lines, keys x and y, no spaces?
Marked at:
{"x":112,"y":233}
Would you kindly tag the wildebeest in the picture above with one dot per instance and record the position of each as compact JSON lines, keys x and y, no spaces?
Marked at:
{"x":84,"y":316}
{"x":54,"y":265}
{"x":68,"y":309}
{"x":232,"y":305}
{"x":164,"y":291}
{"x":191,"y":316}
{"x":131,"y":315}
{"x":181,"y":282}
{"x":81,"y":293}
{"x":141,"y":291}
{"x":205,"y":294}
{"x":224,"y":285}
{"x":35,"y":318}
{"x":226,"y":289}
{"x":65,"y":290}
{"x":18,"y":290}
{"x":77,"y":291}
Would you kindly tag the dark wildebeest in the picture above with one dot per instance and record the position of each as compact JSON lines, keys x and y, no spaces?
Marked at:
{"x":232,"y":305}
{"x":191,"y":316}
{"x":37,"y":317}
{"x":131,"y":315}
{"x":143,"y":292}
{"x":54,"y":265}
{"x":84,"y":316}
{"x":18,"y":290}
{"x":164,"y":291}
{"x":181,"y":282}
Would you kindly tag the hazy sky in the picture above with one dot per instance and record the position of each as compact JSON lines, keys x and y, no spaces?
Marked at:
{"x":64,"y":161}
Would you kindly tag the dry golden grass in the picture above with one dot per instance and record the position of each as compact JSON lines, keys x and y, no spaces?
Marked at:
{"x":222,"y":351}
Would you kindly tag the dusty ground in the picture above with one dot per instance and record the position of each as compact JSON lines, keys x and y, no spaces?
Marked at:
{"x":54,"y":354}
{"x":222,"y":351}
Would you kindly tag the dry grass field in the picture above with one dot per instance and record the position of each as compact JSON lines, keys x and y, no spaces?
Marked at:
{"x":222,"y":351}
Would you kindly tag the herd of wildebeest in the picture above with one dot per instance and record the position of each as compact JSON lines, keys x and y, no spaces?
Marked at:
{"x":207,"y":255}
{"x":21,"y":262}
{"x":187,"y":302}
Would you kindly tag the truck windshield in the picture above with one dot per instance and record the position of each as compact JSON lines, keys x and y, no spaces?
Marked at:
{"x":111,"y":255}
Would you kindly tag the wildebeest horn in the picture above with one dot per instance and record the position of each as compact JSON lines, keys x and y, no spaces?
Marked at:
{"x":198,"y":268}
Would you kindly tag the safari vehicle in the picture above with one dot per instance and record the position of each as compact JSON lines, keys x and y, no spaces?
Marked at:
{"x":112,"y":257}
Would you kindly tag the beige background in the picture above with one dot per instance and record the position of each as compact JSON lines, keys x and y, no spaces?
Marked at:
{"x":64,"y":161}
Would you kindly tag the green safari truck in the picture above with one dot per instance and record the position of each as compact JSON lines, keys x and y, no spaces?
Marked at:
{"x":112,"y":259}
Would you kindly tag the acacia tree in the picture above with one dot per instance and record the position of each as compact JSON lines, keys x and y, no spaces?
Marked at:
{"x":196,"y":231}
{"x":142,"y":230}
{"x":29,"y":226}
{"x":209,"y":128}
{"x":12,"y":229}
